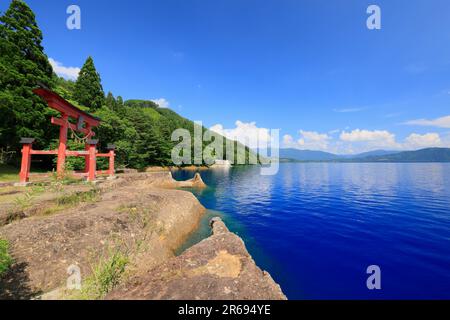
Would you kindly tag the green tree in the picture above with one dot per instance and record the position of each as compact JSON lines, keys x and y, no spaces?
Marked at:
{"x":119,"y":102}
{"x":88,"y":87}
{"x":110,"y":101}
{"x":119,"y":131}
{"x":120,"y":107}
{"x":23,"y":65}
{"x":145,"y":142}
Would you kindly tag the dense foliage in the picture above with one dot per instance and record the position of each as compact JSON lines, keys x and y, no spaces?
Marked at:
{"x":88,"y":89}
{"x":23,"y":65}
{"x":140,"y":129}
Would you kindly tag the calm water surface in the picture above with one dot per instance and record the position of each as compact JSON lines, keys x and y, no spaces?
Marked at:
{"x":317,"y":227}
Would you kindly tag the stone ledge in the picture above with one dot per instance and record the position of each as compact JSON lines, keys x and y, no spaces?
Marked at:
{"x":217,"y":268}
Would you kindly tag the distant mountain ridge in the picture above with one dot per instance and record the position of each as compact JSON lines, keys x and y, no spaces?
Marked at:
{"x":375,"y":153}
{"x":423,"y":155}
{"x":307,"y":155}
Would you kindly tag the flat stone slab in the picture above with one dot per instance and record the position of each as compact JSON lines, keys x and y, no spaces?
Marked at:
{"x":22,"y":184}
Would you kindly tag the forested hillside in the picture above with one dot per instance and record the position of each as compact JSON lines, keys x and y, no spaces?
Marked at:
{"x":141,"y":130}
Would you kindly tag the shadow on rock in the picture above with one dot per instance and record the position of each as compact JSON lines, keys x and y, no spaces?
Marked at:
{"x":14,"y":284}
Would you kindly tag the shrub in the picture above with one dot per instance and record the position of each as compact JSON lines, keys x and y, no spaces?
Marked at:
{"x":106,"y":274}
{"x":5,"y":258}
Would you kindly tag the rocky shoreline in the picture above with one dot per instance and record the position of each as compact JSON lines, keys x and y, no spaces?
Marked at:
{"x":140,"y":218}
{"x":217,"y":268}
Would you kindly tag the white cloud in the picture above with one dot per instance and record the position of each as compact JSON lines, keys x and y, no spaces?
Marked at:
{"x":70,"y":73}
{"x":443,"y":122}
{"x":246,"y":133}
{"x":357,"y":141}
{"x":367,"y":135}
{"x":288,"y":141}
{"x":331,"y":132}
{"x":417,"y":141}
{"x":349,"y":110}
{"x":366,"y":140}
{"x":313,"y":140}
{"x":161,"y":102}
{"x":313,"y":136}
{"x":308,"y":140}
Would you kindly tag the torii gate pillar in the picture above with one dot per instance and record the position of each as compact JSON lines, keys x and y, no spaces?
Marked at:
{"x":92,"y":163}
{"x":62,"y":147}
{"x":27,"y":146}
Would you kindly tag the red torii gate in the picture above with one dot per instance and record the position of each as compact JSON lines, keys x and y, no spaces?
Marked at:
{"x":85,"y":124}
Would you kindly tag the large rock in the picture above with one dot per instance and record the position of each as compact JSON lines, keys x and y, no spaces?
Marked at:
{"x":195,"y":182}
{"x":157,"y":169}
{"x":131,"y":210}
{"x":218,"y":267}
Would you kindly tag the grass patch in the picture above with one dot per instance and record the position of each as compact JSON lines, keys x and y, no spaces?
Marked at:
{"x":5,"y":258}
{"x":9,"y":193}
{"x":77,"y":198}
{"x":65,"y":179}
{"x":72,"y":200}
{"x":11,"y":174}
{"x":26,"y":200}
{"x":8,"y":173}
{"x":143,"y":217}
{"x":106,"y":275}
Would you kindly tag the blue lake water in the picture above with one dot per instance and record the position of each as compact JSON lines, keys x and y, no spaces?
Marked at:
{"x":316,"y":227}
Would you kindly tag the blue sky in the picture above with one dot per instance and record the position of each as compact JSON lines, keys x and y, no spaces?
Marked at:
{"x":310,"y":68}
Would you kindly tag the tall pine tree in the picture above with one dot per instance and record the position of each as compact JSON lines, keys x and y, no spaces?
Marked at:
{"x":23,"y":65}
{"x":110,"y":101}
{"x":88,"y":88}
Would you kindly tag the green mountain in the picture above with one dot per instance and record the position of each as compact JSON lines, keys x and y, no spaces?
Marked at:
{"x":306,"y":155}
{"x":423,"y":155}
{"x":290,"y":154}
{"x":374,"y":153}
